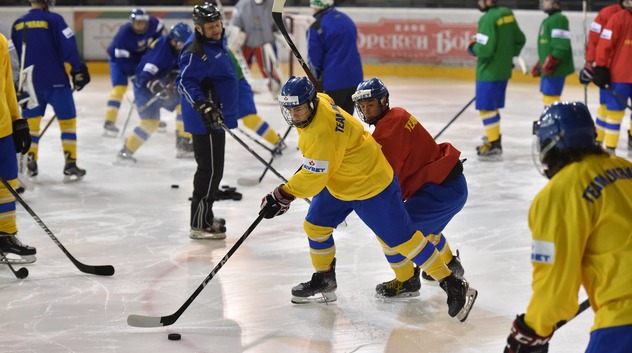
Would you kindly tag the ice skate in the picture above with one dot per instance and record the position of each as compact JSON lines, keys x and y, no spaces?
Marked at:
{"x":397,"y":289}
{"x":216,"y":231}
{"x":15,"y":252}
{"x":629,"y":143}
{"x":320,"y":289}
{"x":72,"y":173}
{"x":490,"y":151}
{"x":184,"y":148}
{"x":461,"y":296}
{"x":27,"y":165}
{"x":110,"y":129}
{"x":162,"y":127}
{"x":125,"y":158}
{"x":454,"y":265}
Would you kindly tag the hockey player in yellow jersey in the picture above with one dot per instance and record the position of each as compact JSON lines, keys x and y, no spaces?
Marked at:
{"x":345,"y":170}
{"x":581,"y":226}
{"x":14,"y":137}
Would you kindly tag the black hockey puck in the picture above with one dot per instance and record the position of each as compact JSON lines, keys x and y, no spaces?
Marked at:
{"x":174,"y":336}
{"x":175,"y":186}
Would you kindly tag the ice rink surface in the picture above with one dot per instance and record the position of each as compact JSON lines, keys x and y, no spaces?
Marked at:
{"x":131,"y":218}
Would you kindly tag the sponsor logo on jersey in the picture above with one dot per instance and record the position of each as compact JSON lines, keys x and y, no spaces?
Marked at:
{"x":595,"y":27}
{"x":606,"y":34}
{"x":315,"y":166}
{"x":561,"y":33}
{"x":481,"y":38}
{"x":543,"y":251}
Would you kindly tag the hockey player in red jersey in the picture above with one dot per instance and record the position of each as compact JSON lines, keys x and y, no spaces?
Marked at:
{"x":612,"y":70}
{"x":586,"y":74}
{"x":430,"y":176}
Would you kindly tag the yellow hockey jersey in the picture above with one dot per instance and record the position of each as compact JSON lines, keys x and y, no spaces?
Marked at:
{"x":8,"y":101}
{"x":340,"y":155}
{"x":581,"y":223}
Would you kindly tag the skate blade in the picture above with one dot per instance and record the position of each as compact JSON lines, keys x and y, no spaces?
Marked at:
{"x":182,"y":155}
{"x":72,"y":178}
{"x":19,"y":260}
{"x":108,"y":133}
{"x":206,"y":236}
{"x":397,"y":298}
{"x":325,"y":298}
{"x":470,"y":299}
{"x":496,"y":158}
{"x":124,"y":162}
{"x":247,"y":182}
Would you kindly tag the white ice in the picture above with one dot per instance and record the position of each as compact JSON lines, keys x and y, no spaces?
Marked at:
{"x":131,"y":218}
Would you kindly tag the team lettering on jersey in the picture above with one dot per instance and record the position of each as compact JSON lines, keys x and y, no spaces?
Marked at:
{"x":593,"y":191}
{"x":411,"y":123}
{"x":31,"y":24}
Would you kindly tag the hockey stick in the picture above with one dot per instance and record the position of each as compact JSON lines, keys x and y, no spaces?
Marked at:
{"x":277,"y":16}
{"x":22,"y":273}
{"x":453,"y":119}
{"x":129,"y":115}
{"x":154,"y":321}
{"x":252,"y":182}
{"x":618,"y":97}
{"x":584,"y":23}
{"x":582,"y":307}
{"x":255,"y":140}
{"x":104,"y":270}
{"x":47,"y":125}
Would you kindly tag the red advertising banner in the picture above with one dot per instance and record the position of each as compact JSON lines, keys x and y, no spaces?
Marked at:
{"x":421,"y":40}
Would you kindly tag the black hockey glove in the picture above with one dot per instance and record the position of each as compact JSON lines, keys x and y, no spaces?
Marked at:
{"x":80,"y":77}
{"x":156,"y":87}
{"x":601,"y":76}
{"x":276,"y":203}
{"x":586,"y":74}
{"x":21,"y":136}
{"x":523,"y":339}
{"x":210,"y":113}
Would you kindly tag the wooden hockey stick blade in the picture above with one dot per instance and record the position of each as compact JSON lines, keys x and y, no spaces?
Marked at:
{"x":247,"y":181}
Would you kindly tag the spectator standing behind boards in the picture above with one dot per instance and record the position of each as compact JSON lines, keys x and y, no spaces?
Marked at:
{"x":555,"y":55}
{"x":14,"y":137}
{"x":580,"y":227}
{"x":612,"y":70}
{"x":209,"y":90}
{"x":332,"y":52}
{"x":498,"y":40}
{"x":127,"y":48}
{"x":586,"y":74}
{"x":50,"y":44}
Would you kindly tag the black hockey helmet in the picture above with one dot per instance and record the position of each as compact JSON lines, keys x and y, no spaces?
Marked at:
{"x":205,"y":13}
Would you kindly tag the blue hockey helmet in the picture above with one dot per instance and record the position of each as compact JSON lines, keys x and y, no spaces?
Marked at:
{"x":205,"y":13}
{"x":298,"y":91}
{"x":371,"y":89}
{"x":138,"y":15}
{"x":563,"y":127}
{"x":180,"y":32}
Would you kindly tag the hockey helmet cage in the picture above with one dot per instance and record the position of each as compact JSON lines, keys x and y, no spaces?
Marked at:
{"x":295,"y":92}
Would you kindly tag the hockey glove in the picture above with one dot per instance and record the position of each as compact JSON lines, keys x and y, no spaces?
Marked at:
{"x":535,"y":71}
{"x":210,"y":113}
{"x":601,"y":76}
{"x":21,"y":136}
{"x":470,"y":47}
{"x":158,"y":88}
{"x":550,"y":65}
{"x":523,"y":339}
{"x":586,"y":74}
{"x":276,"y":203}
{"x":80,"y":77}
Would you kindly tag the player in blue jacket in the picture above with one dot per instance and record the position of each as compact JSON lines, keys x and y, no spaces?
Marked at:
{"x":125,"y":52}
{"x":44,"y":40}
{"x":154,"y":88}
{"x":332,"y":52}
{"x":209,"y":93}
